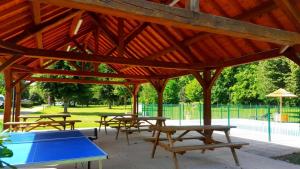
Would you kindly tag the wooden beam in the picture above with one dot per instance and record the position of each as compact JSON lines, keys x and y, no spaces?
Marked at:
{"x":159,"y":86}
{"x":254,"y":12}
{"x":165,"y":15}
{"x":9,"y":62}
{"x":37,"y":20}
{"x":79,"y":81}
{"x":187,"y":54}
{"x":85,"y":74}
{"x":253,"y":58}
{"x":291,"y":10}
{"x":292,"y":55}
{"x":29,"y":32}
{"x":83,"y":57}
{"x":8,"y":97}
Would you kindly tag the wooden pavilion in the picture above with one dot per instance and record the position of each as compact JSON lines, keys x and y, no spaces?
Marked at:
{"x":142,"y":40}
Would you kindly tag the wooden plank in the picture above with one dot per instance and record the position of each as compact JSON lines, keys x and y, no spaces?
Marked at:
{"x":143,"y":10}
{"x":207,"y":146}
{"x":79,"y":81}
{"x":192,"y":128}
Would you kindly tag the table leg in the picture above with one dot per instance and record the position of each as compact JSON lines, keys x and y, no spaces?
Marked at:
{"x":100,"y":164}
{"x":105,"y":124}
{"x":118,"y":130}
{"x":155,"y":144}
{"x":232,"y":149}
{"x":65,"y":123}
{"x":100,"y":124}
{"x":175,"y":161}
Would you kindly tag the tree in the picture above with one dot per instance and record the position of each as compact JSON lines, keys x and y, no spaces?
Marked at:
{"x":60,"y":90}
{"x":220,"y":91}
{"x":245,"y":89}
{"x":293,"y":84}
{"x":106,"y":92}
{"x":2,"y":84}
{"x":272,"y":75}
{"x":193,"y":91}
{"x":148,"y":94}
{"x":122,"y":94}
{"x":171,"y":92}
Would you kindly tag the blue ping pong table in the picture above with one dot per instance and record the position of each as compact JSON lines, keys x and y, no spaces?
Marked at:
{"x":53,"y":147}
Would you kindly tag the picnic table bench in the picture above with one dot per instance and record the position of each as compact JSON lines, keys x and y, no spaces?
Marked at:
{"x":134,"y":124}
{"x":45,"y":116}
{"x":28,"y":126}
{"x":208,"y":143}
{"x":109,"y":122}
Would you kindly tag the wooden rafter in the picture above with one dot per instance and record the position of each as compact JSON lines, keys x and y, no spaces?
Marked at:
{"x":257,"y":11}
{"x":9,"y":62}
{"x":143,"y":10}
{"x":182,"y":49}
{"x":79,"y":81}
{"x":44,"y":26}
{"x":290,"y":10}
{"x":37,"y":20}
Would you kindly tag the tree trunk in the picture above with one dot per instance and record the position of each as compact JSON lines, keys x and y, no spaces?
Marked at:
{"x":109,"y":104}
{"x":66,"y":104}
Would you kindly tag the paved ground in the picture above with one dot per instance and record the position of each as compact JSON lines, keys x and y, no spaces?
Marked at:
{"x":137,"y":155}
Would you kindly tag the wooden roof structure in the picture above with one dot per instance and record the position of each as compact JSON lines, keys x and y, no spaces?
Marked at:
{"x":143,"y":40}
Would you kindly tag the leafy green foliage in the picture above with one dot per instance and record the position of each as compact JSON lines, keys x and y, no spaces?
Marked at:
{"x":171,"y":92}
{"x":193,"y":91}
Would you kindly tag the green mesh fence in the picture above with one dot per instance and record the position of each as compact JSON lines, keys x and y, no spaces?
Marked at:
{"x":194,"y":111}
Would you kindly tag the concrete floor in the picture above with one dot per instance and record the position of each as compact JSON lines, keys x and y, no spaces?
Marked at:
{"x":137,"y":155}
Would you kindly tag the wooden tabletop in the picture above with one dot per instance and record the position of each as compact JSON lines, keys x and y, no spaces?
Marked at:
{"x":205,"y":127}
{"x":45,"y":116}
{"x":113,"y":114}
{"x":140,"y":118}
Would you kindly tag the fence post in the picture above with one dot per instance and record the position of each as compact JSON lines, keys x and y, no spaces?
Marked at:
{"x":269,"y":124}
{"x":179,"y":114}
{"x":200,"y":115}
{"x":238,"y":110}
{"x":221,"y":111}
{"x":228,"y":114}
{"x":256,"y":112}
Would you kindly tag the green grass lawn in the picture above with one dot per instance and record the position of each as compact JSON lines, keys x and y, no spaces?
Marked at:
{"x":86,"y":114}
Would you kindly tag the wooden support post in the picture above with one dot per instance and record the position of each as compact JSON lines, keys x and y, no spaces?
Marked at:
{"x":134,"y":89}
{"x":8,"y":97}
{"x":207,"y":82}
{"x":18,"y":102}
{"x":159,"y":86}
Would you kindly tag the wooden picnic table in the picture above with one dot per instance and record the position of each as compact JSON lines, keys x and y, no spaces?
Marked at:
{"x":45,"y":116}
{"x":205,"y":136}
{"x":112,"y":121}
{"x":133,"y":124}
{"x":28,"y":126}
